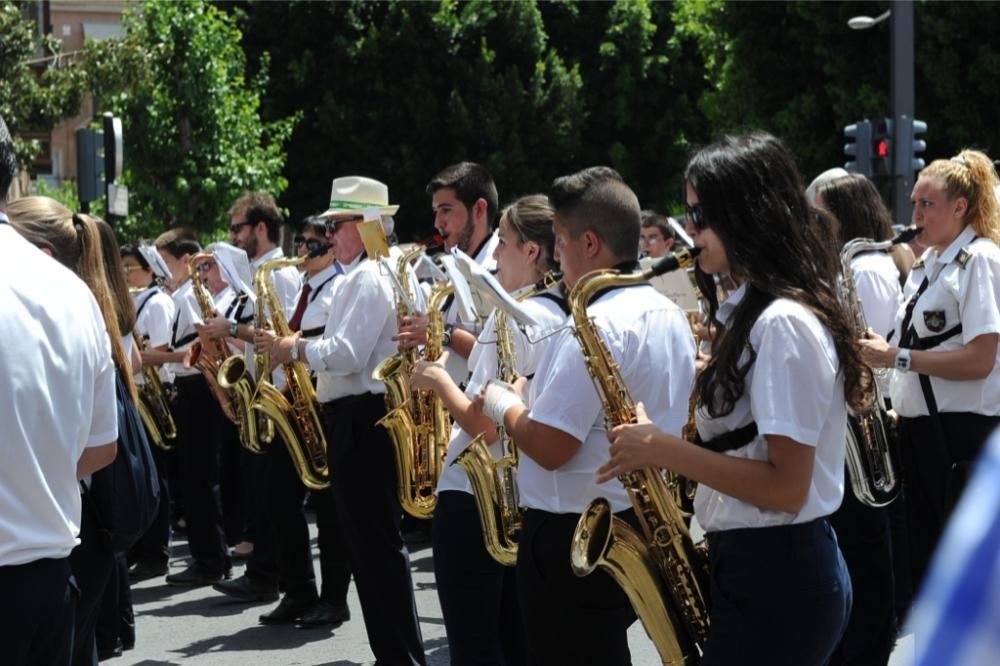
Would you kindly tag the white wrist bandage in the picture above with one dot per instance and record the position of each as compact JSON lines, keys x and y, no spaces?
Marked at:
{"x":498,"y":398}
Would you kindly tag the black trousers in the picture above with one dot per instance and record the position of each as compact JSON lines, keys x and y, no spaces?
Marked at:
{"x":568,"y":619}
{"x":154,"y":546}
{"x":478,"y":595}
{"x":116,"y":621}
{"x":93,"y":563}
{"x":198,"y":443}
{"x":363,"y":481}
{"x":864,"y":537}
{"x":934,"y":475}
{"x":37,"y":611}
{"x":234,"y":482}
{"x":780,"y":595}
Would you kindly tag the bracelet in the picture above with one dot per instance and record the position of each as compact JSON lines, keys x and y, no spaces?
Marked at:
{"x":446,"y":338}
{"x":497,"y":399}
{"x":234,"y":329}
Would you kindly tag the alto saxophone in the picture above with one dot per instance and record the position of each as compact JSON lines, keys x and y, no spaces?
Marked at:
{"x":494,"y":482}
{"x":661,"y":572}
{"x":872,"y":462}
{"x":419,"y":424}
{"x":153,"y":405}
{"x":206,"y":354}
{"x":297,"y":419}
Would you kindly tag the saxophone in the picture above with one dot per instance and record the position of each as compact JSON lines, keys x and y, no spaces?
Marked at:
{"x":661,"y":572}
{"x":153,"y":405}
{"x":871,"y":457}
{"x":418,"y":422}
{"x":207,"y":355}
{"x":494,"y":482}
{"x":297,"y":419}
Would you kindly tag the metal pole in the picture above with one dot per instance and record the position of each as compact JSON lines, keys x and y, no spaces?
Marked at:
{"x":902,"y":102}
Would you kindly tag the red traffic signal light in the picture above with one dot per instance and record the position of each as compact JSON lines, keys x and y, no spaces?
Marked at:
{"x":882,"y":148}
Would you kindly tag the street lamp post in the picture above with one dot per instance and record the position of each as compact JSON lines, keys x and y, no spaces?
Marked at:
{"x":902,"y":99}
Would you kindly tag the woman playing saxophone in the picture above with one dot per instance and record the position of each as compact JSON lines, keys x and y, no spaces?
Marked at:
{"x":477,"y":593}
{"x":772,"y":411}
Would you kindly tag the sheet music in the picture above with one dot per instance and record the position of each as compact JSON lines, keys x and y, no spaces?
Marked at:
{"x":463,"y":293}
{"x":401,"y":294}
{"x":489,"y":290}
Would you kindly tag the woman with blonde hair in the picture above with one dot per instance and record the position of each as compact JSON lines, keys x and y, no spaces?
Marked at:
{"x":946,"y":387}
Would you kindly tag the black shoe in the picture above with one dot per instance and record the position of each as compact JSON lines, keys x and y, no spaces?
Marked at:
{"x":110,"y":652}
{"x":196,"y":576}
{"x":289,"y":610}
{"x":248,"y":588}
{"x":145,"y":569}
{"x":324,"y":614}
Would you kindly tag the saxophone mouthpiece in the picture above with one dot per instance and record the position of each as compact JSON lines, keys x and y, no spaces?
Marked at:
{"x":683,"y":258}
{"x":906,"y":235}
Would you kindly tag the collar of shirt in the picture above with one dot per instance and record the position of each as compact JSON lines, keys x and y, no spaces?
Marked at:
{"x":274,"y":253}
{"x":3,"y":218}
{"x":354,"y":263}
{"x":317,"y":280}
{"x":483,"y":252}
{"x":729,"y":305}
{"x":934,"y":263}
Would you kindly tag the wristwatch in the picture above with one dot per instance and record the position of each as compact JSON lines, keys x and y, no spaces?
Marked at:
{"x":903,"y":360}
{"x":446,"y":338}
{"x":234,"y":329}
{"x":295,"y":351}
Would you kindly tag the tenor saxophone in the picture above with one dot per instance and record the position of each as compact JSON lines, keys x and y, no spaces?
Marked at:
{"x":297,"y":418}
{"x":418,"y":422}
{"x":494,"y":482}
{"x":872,"y":462}
{"x":153,"y":405}
{"x":660,"y":571}
{"x":208,"y":355}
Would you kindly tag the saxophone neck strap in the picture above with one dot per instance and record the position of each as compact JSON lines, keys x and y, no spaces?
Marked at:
{"x":732,"y":440}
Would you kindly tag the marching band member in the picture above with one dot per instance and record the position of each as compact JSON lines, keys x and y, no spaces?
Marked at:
{"x":560,"y":432}
{"x":145,"y":270}
{"x":478,"y":595}
{"x":946,"y":387}
{"x":771,"y":414}
{"x":357,"y":337}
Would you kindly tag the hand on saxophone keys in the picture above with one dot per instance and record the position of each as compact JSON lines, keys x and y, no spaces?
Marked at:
{"x":280,"y":349}
{"x":215,"y":328}
{"x":497,"y":397}
{"x":632,"y":447}
{"x":876,"y":352}
{"x":430,"y":375}
{"x":412,"y":331}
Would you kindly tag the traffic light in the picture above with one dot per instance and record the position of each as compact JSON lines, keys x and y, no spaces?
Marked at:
{"x":917,"y":145}
{"x":89,"y":166}
{"x":882,"y":147}
{"x":859,"y":153}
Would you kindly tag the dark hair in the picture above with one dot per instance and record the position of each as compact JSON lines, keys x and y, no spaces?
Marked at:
{"x":597,"y":199}
{"x":8,"y":160}
{"x":471,"y":182}
{"x":178,"y":242}
{"x":132,"y":250}
{"x":115,"y":273}
{"x":530,"y":217}
{"x":858,"y":207}
{"x":314,"y":222}
{"x":650,"y":218}
{"x":257,"y":207}
{"x":752,"y":198}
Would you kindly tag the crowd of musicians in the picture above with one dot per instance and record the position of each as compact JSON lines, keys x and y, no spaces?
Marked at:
{"x":818,"y":415}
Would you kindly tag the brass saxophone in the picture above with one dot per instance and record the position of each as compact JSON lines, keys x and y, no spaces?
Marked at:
{"x":153,"y":405}
{"x":494,"y":482}
{"x":207,"y":355}
{"x":661,"y":572}
{"x":297,"y":419}
{"x":872,"y":462}
{"x":418,"y":422}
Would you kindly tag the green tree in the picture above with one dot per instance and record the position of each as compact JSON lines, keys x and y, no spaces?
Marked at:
{"x":194,"y":138}
{"x":29,"y":99}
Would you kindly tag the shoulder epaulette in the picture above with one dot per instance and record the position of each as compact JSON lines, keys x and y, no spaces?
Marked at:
{"x":963,"y":257}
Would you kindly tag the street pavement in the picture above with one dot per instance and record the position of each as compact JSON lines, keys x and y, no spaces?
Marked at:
{"x":201,"y":627}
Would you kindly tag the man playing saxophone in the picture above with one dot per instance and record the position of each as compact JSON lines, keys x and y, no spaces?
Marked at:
{"x":357,"y":336}
{"x":560,"y":432}
{"x":478,"y":595}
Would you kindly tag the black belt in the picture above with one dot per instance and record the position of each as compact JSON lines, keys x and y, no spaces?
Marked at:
{"x":732,"y":440}
{"x":339,"y":404}
{"x":187,"y":379}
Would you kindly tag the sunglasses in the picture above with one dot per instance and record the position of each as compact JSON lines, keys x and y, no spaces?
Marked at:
{"x":235,"y":228}
{"x":310,"y":243}
{"x":696,"y":216}
{"x":204,"y":266}
{"x":132,"y":267}
{"x":333,"y":224}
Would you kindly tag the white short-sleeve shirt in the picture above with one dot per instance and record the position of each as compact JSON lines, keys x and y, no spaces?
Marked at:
{"x":876,"y":280}
{"x":459,"y":368}
{"x":650,"y":340}
{"x":58,"y":386}
{"x":969,"y":295}
{"x":529,"y":344}
{"x":155,"y":314}
{"x":187,"y":314}
{"x":793,"y":389}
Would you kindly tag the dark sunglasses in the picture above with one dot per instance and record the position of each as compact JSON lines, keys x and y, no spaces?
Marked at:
{"x":204,"y":266}
{"x":333,"y":224}
{"x":311,"y":243}
{"x":235,"y":228}
{"x":696,"y":216}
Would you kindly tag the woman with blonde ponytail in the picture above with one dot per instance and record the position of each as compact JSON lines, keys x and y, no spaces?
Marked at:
{"x":75,"y":241}
{"x":946,"y":385}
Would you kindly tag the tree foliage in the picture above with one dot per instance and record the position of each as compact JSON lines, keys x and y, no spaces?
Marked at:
{"x":193,"y":134}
